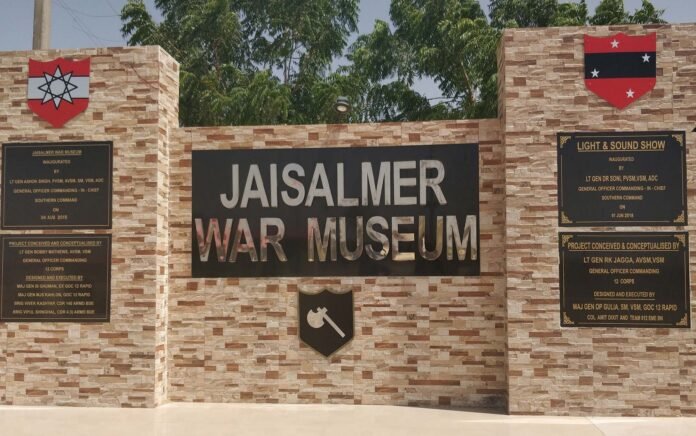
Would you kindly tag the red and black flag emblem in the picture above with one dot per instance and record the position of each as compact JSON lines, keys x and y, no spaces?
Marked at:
{"x":621,"y":68}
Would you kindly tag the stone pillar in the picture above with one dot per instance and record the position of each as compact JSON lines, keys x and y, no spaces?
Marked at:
{"x":583,"y":371}
{"x":134,"y":103}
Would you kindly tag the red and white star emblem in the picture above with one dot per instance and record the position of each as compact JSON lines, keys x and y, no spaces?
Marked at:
{"x":58,"y":90}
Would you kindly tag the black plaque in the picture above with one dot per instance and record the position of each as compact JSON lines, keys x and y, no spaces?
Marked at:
{"x":622,"y":179}
{"x":55,"y":278}
{"x":624,"y":280}
{"x":357,"y":211}
{"x":326,"y":320}
{"x":57,"y":185}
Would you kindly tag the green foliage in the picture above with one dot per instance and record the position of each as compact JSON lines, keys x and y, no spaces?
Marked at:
{"x":269,"y":61}
{"x":571,"y":14}
{"x":610,"y":12}
{"x":452,"y":43}
{"x":522,"y":13}
{"x":385,"y":63}
{"x":249,"y":61}
{"x":299,"y":36}
{"x":647,"y":14}
{"x":435,"y":30}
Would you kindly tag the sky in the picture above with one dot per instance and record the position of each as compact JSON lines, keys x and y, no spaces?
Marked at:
{"x":96,"y":23}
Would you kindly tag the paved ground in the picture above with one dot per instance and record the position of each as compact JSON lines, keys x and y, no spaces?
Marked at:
{"x":308,"y":420}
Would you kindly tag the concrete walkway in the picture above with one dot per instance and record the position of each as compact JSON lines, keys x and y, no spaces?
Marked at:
{"x":314,"y":420}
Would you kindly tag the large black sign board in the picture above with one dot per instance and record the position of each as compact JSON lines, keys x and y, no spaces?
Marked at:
{"x":55,"y":278}
{"x":622,"y":179}
{"x":362,"y":211}
{"x":625,"y":279}
{"x":57,"y":185}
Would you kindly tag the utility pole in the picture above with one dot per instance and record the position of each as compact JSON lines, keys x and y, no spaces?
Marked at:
{"x":42,"y":24}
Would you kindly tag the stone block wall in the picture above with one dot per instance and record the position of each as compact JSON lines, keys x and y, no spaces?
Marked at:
{"x":584,"y":371}
{"x":486,"y":341}
{"x":427,"y":341}
{"x":133,"y":102}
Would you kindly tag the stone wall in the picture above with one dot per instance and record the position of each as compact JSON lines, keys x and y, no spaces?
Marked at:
{"x":584,"y":371}
{"x":428,"y":341}
{"x":169,"y":122}
{"x":459,"y":342}
{"x":133,"y":103}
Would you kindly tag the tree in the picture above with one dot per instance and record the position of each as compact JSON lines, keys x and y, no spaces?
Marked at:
{"x":647,"y":14}
{"x":571,"y":14}
{"x":248,"y":61}
{"x":269,"y":61}
{"x":435,"y":30}
{"x":522,"y":13}
{"x":610,"y":12}
{"x":300,"y":36}
{"x":427,"y":34}
{"x":542,"y":13}
{"x":375,"y":58}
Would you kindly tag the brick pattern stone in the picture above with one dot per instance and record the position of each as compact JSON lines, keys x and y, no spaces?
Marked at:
{"x":427,"y":341}
{"x":133,"y":102}
{"x":169,"y":121}
{"x":583,"y":371}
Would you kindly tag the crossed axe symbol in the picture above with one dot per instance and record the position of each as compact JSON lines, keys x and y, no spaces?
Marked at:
{"x":316,"y":320}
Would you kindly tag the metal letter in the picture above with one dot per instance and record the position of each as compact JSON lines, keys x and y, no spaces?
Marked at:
{"x":274,"y":185}
{"x":347,"y":202}
{"x":397,"y":237}
{"x":273,"y":240}
{"x":254,"y":178}
{"x":434,"y":183}
{"x":375,"y":189}
{"x":400,"y":182}
{"x":377,"y":237}
{"x":323,"y":244}
{"x":430,"y":255}
{"x":294,"y":184}
{"x":213,"y":231}
{"x":347,"y":254}
{"x":247,"y":246}
{"x":461,"y":243}
{"x":224,"y":199}
{"x":315,"y":191}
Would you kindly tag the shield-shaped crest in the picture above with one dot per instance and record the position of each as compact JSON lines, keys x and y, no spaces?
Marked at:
{"x":621,"y":68}
{"x":58,"y":90}
{"x":326,"y":320}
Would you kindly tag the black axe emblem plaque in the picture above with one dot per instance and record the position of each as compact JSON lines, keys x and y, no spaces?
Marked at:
{"x":326,"y":320}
